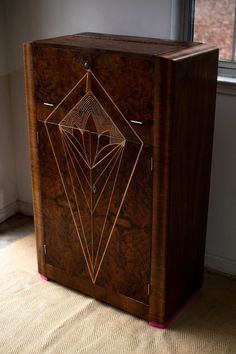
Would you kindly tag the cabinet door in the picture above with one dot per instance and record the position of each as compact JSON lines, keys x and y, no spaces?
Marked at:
{"x":96,"y":191}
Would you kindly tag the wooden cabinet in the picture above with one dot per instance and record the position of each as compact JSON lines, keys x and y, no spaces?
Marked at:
{"x":121,"y":135}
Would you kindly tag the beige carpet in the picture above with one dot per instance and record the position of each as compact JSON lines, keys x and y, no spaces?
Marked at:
{"x":43,"y":317}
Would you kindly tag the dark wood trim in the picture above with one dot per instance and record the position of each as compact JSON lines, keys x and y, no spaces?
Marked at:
{"x":106,"y":295}
{"x":124,"y":44}
{"x":186,"y":53}
{"x":192,"y":140}
{"x":35,"y":167}
{"x":161,"y":187}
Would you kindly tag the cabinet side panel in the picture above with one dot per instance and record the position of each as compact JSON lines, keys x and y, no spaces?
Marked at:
{"x":35,"y":169}
{"x":164,"y":96}
{"x":194,"y":111}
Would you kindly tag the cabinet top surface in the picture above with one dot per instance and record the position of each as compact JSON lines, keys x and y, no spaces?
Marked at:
{"x":127,"y":44}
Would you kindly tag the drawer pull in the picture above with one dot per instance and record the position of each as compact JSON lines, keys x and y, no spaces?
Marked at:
{"x":48,"y":104}
{"x":136,"y":121}
{"x":87,"y":64}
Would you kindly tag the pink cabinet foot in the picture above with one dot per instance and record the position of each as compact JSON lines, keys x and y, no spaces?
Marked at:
{"x":158,"y":325}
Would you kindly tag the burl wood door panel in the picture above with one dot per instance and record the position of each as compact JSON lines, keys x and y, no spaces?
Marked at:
{"x":96,"y":191}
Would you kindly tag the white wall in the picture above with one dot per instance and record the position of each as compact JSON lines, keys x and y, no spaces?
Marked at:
{"x":28,"y":20}
{"x":8,"y":204}
{"x":221,"y":234}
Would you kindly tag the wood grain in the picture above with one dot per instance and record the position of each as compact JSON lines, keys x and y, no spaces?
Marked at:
{"x":153,"y":259}
{"x":192,"y":139}
{"x":123,"y":265}
{"x":163,"y":114}
{"x":35,"y":168}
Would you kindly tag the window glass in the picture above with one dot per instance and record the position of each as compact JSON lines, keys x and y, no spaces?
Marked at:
{"x":214,"y":24}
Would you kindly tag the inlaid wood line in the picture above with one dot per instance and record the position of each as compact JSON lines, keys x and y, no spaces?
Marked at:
{"x":81,"y":169}
{"x":104,"y":157}
{"x":107,"y":94}
{"x":99,"y":151}
{"x":110,"y":199}
{"x":104,"y":185}
{"x":76,"y":200}
{"x":116,"y":157}
{"x":91,"y":199}
{"x":102,"y":108}
{"x":117,"y":147}
{"x":105,"y":168}
{"x":85,"y":150}
{"x":73,"y":88}
{"x":73,"y":129}
{"x":99,"y":137}
{"x":75,"y":170}
{"x":118,"y":212}
{"x":72,"y":143}
{"x":58,"y":167}
{"x":88,"y":108}
{"x":80,"y":183}
{"x":88,"y":83}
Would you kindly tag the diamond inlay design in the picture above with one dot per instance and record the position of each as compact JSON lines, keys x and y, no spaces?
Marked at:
{"x":96,"y":156}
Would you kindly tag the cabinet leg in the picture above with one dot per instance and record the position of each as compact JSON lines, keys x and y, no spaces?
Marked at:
{"x":158,"y":325}
{"x":43,"y":277}
{"x":165,"y":324}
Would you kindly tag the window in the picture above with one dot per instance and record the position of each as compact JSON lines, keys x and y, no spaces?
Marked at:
{"x":213,"y":22}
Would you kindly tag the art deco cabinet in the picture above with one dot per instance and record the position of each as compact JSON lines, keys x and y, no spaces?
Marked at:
{"x":121,"y":141}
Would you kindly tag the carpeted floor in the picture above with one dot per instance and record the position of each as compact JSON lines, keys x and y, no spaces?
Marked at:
{"x":43,"y":317}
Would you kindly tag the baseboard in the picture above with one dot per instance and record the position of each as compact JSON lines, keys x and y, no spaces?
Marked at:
{"x":8,"y":211}
{"x":222,"y":264}
{"x":14,"y":208}
{"x":25,"y":207}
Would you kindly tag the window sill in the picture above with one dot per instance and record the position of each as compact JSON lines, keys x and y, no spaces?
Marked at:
{"x":226,"y":85}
